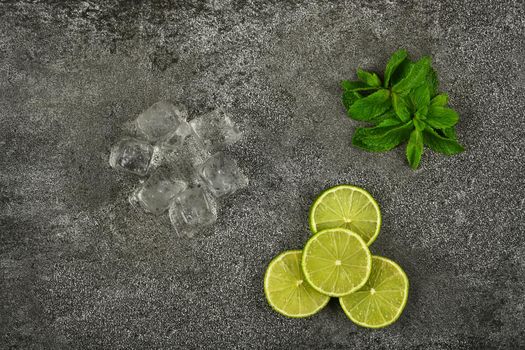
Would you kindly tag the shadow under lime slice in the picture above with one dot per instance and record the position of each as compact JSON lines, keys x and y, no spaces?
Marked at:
{"x":336,"y":262}
{"x":286,"y":289}
{"x":348,"y":207}
{"x":382,"y":299}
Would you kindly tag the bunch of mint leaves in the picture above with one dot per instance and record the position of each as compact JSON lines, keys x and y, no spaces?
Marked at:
{"x":406,"y":105}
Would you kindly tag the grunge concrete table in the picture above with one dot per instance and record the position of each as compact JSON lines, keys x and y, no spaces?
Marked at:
{"x":81,"y":269}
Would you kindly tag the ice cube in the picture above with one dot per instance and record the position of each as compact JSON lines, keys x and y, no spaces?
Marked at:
{"x":176,"y":138}
{"x":216,"y":130}
{"x":161,"y":119}
{"x":222,"y":175}
{"x":184,"y":160}
{"x":190,"y":210}
{"x":132,"y":155}
{"x":155,"y":194}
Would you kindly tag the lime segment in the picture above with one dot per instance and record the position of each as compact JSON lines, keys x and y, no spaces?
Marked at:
{"x":382,"y":299}
{"x":286,"y":289}
{"x":348,"y":207}
{"x":336,"y":262}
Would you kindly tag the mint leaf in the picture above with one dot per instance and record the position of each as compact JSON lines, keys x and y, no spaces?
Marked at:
{"x":395,"y":60}
{"x":349,"y":97}
{"x":389,"y":118}
{"x":414,"y":148}
{"x":420,"y":96}
{"x":419,"y":124}
{"x":370,"y":79}
{"x":450,"y":133}
{"x":440,"y":100}
{"x":349,"y":85}
{"x":381,"y":138}
{"x":401,"y":107}
{"x":388,"y":115}
{"x":415,"y":77}
{"x":421,"y":113}
{"x":371,"y":106}
{"x":432,"y":82}
{"x":407,"y":106}
{"x":401,"y":72}
{"x":441,"y":117}
{"x":441,"y":144}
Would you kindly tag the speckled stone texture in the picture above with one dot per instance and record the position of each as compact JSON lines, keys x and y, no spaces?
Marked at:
{"x":81,"y":269}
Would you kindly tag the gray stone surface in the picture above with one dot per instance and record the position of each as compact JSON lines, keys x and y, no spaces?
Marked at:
{"x":81,"y":269}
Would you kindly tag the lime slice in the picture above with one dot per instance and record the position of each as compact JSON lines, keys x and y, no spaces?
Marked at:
{"x":336,"y":262}
{"x":349,"y":207}
{"x":286,"y":289}
{"x":382,"y":299}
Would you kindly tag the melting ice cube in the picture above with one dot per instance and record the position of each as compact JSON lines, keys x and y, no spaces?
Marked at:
{"x":222,"y":175}
{"x":216,"y":130}
{"x":155,"y":194}
{"x":131,"y":155}
{"x":183,"y":161}
{"x":192,"y":209}
{"x":161,"y":119}
{"x":175,"y":140}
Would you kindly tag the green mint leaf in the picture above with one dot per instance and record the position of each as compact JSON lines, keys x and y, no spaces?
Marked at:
{"x":370,"y":79}
{"x":407,"y":106}
{"x":414,"y":148}
{"x":349,"y":85}
{"x":349,"y":97}
{"x":388,"y":118}
{"x":441,"y":117}
{"x":440,"y":100}
{"x":389,"y":114}
{"x":390,"y":122}
{"x":381,"y":138}
{"x":422,"y":113}
{"x":419,"y":124}
{"x":401,"y":72}
{"x":441,"y":144}
{"x":401,"y":107}
{"x":371,"y":106}
{"x":450,"y":133}
{"x":395,"y":60}
{"x":415,"y":77}
{"x":420,"y":96}
{"x":432,"y":82}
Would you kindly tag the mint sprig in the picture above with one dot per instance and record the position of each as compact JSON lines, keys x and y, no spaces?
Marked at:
{"x":405,"y":107}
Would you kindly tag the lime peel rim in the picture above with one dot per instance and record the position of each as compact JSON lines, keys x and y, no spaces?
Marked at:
{"x":273,"y":261}
{"x":355,"y":188}
{"x":402,"y":306}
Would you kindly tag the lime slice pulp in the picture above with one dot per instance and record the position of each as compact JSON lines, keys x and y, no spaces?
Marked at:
{"x":336,"y":262}
{"x":382,"y":299}
{"x":349,"y":207}
{"x":286,"y":289}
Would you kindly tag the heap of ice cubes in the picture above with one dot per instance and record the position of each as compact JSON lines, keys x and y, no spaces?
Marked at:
{"x":185,"y":162}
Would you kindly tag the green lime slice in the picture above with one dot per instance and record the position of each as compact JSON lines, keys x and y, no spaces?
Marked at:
{"x":286,"y":289}
{"x":382,"y":299}
{"x":336,"y":262}
{"x":349,"y":207}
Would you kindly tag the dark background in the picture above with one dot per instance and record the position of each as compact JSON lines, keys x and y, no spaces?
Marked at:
{"x":81,"y":269}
